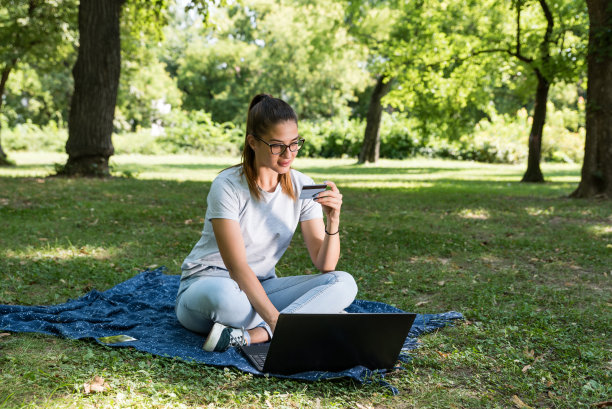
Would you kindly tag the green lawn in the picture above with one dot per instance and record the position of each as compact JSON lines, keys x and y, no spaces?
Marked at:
{"x":530,"y":269}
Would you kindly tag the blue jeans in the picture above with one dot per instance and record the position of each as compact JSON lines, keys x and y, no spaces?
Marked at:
{"x":210,"y":299}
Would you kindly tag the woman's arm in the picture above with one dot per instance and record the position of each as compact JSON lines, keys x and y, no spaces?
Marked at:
{"x":323,"y":240}
{"x":233,"y":253}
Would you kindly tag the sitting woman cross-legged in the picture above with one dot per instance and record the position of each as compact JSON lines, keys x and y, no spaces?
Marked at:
{"x":229,"y":290}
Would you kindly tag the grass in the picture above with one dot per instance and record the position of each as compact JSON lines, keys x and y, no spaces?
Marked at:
{"x":529,"y":268}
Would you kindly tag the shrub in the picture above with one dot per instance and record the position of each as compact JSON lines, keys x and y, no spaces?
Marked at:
{"x":502,"y":139}
{"x":196,"y":131}
{"x":30,"y":137}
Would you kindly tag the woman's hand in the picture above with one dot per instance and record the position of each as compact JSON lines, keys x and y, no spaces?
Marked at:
{"x":323,"y":241}
{"x":331,"y":201}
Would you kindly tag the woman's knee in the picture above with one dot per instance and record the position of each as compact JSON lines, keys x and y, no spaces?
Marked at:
{"x":210,"y":295}
{"x":346,"y":281}
{"x":211,"y":300}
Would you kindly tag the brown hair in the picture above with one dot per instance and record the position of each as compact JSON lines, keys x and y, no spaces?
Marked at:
{"x":265,"y":111}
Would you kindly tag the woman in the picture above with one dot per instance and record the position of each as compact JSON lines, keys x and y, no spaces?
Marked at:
{"x":229,"y":289}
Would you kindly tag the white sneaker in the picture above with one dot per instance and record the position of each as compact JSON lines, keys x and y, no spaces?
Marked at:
{"x":222,"y":337}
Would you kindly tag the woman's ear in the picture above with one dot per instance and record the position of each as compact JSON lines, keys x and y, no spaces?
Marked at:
{"x":250,"y":141}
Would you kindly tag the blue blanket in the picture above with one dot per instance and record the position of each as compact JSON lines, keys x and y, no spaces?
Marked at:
{"x":143,"y":308}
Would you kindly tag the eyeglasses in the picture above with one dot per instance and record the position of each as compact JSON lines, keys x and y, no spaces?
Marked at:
{"x":279,"y":148}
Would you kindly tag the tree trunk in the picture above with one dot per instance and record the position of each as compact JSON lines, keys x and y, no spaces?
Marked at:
{"x":370,"y":150}
{"x":596,"y":180}
{"x":96,"y":80}
{"x":533,"y":173}
{"x":4,"y":160}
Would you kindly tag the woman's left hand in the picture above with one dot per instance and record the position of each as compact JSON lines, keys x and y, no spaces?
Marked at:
{"x":331,"y":200}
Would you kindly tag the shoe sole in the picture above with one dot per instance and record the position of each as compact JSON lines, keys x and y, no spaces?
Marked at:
{"x":213,"y":337}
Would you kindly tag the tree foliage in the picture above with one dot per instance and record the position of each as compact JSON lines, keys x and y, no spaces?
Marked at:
{"x":38,"y":33}
{"x":456,"y":66}
{"x":308,"y":59}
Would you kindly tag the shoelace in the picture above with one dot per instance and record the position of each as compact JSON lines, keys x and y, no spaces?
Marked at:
{"x":234,"y":341}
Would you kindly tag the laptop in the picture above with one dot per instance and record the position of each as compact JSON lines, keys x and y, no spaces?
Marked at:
{"x":331,"y":342}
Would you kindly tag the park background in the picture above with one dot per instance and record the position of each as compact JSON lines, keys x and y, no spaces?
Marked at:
{"x":440,"y":97}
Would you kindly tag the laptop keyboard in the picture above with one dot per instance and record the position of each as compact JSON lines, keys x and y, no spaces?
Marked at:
{"x":259,"y":358}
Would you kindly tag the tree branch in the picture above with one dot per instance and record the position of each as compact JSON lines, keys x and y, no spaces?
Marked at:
{"x":517,"y":53}
{"x":549,"y":29}
{"x":518,"y":28}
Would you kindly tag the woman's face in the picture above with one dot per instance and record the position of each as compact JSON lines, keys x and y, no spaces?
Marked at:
{"x":282,"y":133}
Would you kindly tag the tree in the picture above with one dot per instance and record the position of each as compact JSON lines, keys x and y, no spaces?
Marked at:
{"x":449,"y":57}
{"x":33,"y":31}
{"x":419,"y":52}
{"x":370,"y":149}
{"x":96,"y":79}
{"x":533,"y":172}
{"x":551,"y":56}
{"x":596,"y":180}
{"x":371,"y":24}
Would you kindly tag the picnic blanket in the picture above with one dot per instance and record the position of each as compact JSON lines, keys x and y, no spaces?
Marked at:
{"x":143,"y":308}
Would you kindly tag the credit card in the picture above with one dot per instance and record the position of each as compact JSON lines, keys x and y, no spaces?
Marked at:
{"x":310,"y":191}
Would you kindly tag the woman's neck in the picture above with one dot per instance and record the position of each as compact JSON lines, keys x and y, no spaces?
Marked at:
{"x":267,"y":179}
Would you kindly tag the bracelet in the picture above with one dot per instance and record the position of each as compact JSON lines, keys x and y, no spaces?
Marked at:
{"x":331,"y":234}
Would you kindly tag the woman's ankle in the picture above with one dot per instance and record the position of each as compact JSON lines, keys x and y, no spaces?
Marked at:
{"x":258,"y":335}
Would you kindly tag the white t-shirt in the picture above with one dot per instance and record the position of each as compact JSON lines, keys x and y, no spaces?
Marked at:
{"x":267,"y":225}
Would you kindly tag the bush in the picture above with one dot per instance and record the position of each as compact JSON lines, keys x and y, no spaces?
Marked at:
{"x":30,"y":137}
{"x":144,"y":142}
{"x":196,"y":131}
{"x":503,"y":139}
{"x":335,"y":138}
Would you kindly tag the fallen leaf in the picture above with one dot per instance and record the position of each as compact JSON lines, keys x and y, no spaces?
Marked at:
{"x":189,"y":221}
{"x":529,"y":353}
{"x":4,"y":334}
{"x":443,"y":354}
{"x":421,"y":303}
{"x":526,"y":368}
{"x":441,"y":283}
{"x":97,"y":385}
{"x":519,"y":403}
{"x":603,"y":404}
